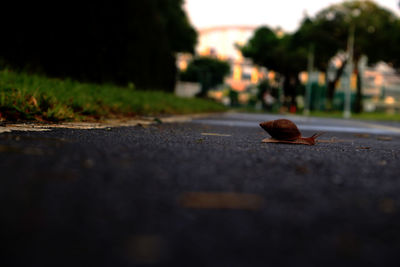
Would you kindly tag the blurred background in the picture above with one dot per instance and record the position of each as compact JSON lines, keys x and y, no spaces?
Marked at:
{"x":281,"y":56}
{"x":301,"y":56}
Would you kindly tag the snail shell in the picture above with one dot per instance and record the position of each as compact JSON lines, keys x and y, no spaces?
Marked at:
{"x":285,"y":131}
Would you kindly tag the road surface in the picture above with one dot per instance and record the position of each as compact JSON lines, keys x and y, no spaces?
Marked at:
{"x":202,"y":193}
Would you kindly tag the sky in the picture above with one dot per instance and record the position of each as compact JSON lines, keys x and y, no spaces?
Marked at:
{"x":286,"y":14}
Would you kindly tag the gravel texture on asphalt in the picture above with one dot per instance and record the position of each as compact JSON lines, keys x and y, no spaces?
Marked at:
{"x":198,"y":195}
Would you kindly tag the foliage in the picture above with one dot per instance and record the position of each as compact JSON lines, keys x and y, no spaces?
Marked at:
{"x":377,"y":34}
{"x":376,"y":31}
{"x":283,"y":55}
{"x":262,"y":48}
{"x":207,"y":71}
{"x":374,"y":28}
{"x":109,"y":41}
{"x":32,"y":97}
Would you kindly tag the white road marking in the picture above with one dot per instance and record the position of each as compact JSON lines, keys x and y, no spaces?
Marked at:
{"x":350,"y":127}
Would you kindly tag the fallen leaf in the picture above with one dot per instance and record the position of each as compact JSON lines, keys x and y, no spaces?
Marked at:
{"x":382,"y":162}
{"x":302,"y":170}
{"x":384,"y":138}
{"x":88,"y":163}
{"x":272,"y":140}
{"x":361,"y":135}
{"x":387,"y":205}
{"x":215,"y":134}
{"x":20,"y":150}
{"x":213,"y":200}
{"x":146,"y":249}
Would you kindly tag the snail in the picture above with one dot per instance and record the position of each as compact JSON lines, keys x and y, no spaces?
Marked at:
{"x":285,"y":131}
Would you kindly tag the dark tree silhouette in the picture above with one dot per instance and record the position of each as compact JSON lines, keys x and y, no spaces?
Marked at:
{"x":103,"y":41}
{"x":376,"y":32}
{"x":283,"y":55}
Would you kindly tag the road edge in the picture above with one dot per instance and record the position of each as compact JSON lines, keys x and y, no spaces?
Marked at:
{"x":106,"y":123}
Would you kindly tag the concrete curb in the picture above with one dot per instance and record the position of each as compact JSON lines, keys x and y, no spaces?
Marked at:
{"x":110,"y":123}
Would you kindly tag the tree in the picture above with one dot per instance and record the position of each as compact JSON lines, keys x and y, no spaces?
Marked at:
{"x":207,"y":71}
{"x":107,"y":41}
{"x":283,"y":55}
{"x":375,"y":31}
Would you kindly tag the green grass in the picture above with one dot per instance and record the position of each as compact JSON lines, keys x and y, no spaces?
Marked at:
{"x":372,"y":116}
{"x":375,"y":116}
{"x":32,"y":97}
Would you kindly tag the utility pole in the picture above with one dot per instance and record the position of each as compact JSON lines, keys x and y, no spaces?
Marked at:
{"x":348,"y":71}
{"x":310,"y":67}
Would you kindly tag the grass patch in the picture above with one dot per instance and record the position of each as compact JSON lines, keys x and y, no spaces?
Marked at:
{"x":374,"y":116}
{"x":32,"y":97}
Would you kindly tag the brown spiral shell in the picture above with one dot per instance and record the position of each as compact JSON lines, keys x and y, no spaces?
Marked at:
{"x":286,"y":131}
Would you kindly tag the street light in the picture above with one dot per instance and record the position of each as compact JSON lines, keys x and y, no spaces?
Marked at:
{"x":348,"y":71}
{"x":310,"y":67}
{"x":349,"y":67}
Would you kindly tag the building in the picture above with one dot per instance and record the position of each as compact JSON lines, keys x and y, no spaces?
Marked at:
{"x":221,"y":42}
{"x":382,"y":88}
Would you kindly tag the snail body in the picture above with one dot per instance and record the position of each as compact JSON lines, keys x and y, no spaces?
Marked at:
{"x":286,"y":131}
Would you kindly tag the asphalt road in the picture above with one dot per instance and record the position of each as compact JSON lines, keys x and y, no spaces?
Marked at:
{"x":202,"y":193}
